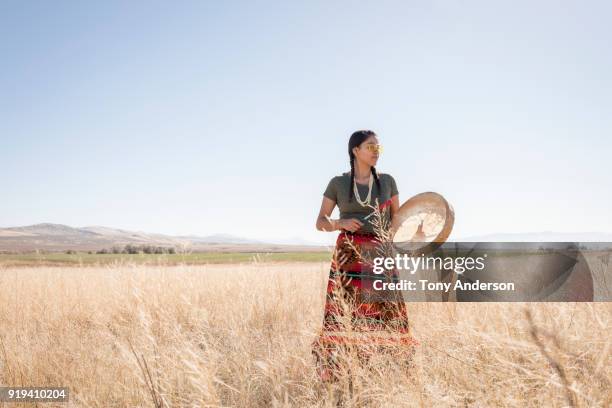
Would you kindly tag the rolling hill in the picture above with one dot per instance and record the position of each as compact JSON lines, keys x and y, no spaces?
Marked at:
{"x":60,"y":237}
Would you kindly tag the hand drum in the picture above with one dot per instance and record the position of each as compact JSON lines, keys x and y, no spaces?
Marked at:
{"x":426,"y":220}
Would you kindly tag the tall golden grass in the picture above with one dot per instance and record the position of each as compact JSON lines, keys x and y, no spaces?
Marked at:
{"x":240,"y":335}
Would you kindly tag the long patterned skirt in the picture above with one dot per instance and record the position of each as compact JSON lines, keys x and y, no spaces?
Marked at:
{"x":356,"y":320}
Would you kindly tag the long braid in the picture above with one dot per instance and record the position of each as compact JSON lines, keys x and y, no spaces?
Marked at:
{"x":376,"y":179}
{"x":351,"y":191}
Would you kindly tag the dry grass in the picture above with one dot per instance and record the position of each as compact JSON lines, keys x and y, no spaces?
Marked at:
{"x":240,"y":335}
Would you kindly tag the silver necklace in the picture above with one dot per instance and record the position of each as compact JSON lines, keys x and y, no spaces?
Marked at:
{"x":365,"y":203}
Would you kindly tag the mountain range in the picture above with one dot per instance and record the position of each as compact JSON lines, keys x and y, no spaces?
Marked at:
{"x":60,"y":237}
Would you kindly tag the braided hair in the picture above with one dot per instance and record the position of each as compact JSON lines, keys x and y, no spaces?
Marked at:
{"x":356,"y":139}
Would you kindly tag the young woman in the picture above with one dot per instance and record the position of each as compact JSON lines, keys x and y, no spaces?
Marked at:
{"x":355,"y":194}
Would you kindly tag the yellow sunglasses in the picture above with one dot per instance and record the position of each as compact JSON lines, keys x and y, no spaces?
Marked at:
{"x":374,"y":148}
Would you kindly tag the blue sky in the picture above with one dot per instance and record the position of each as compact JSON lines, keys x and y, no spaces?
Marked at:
{"x":231,"y":117}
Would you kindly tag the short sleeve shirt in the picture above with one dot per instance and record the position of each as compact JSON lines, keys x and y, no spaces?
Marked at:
{"x":338,"y":190}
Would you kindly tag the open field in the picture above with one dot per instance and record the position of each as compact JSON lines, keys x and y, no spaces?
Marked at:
{"x":85,"y":259}
{"x":240,"y":335}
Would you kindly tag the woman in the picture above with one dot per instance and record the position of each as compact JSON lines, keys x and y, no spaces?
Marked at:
{"x":356,"y":194}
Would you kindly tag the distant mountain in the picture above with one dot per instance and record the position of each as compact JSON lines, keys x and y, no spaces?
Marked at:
{"x":115,"y":233}
{"x":45,"y":229}
{"x":59,"y":237}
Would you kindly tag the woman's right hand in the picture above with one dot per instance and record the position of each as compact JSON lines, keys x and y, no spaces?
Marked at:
{"x":349,"y":224}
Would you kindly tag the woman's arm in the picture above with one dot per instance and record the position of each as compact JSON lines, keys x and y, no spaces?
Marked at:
{"x":324,"y":223}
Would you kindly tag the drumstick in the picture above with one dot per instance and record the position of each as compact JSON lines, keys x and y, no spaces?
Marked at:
{"x":369,"y":215}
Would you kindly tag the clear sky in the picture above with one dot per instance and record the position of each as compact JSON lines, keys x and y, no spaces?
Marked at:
{"x":231,"y":117}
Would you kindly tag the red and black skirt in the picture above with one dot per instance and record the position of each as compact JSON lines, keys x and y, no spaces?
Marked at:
{"x":356,"y":317}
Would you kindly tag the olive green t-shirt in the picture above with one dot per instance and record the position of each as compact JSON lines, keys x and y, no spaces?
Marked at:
{"x":338,"y":190}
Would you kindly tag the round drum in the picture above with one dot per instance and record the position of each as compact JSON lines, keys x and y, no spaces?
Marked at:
{"x":426,"y":221}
